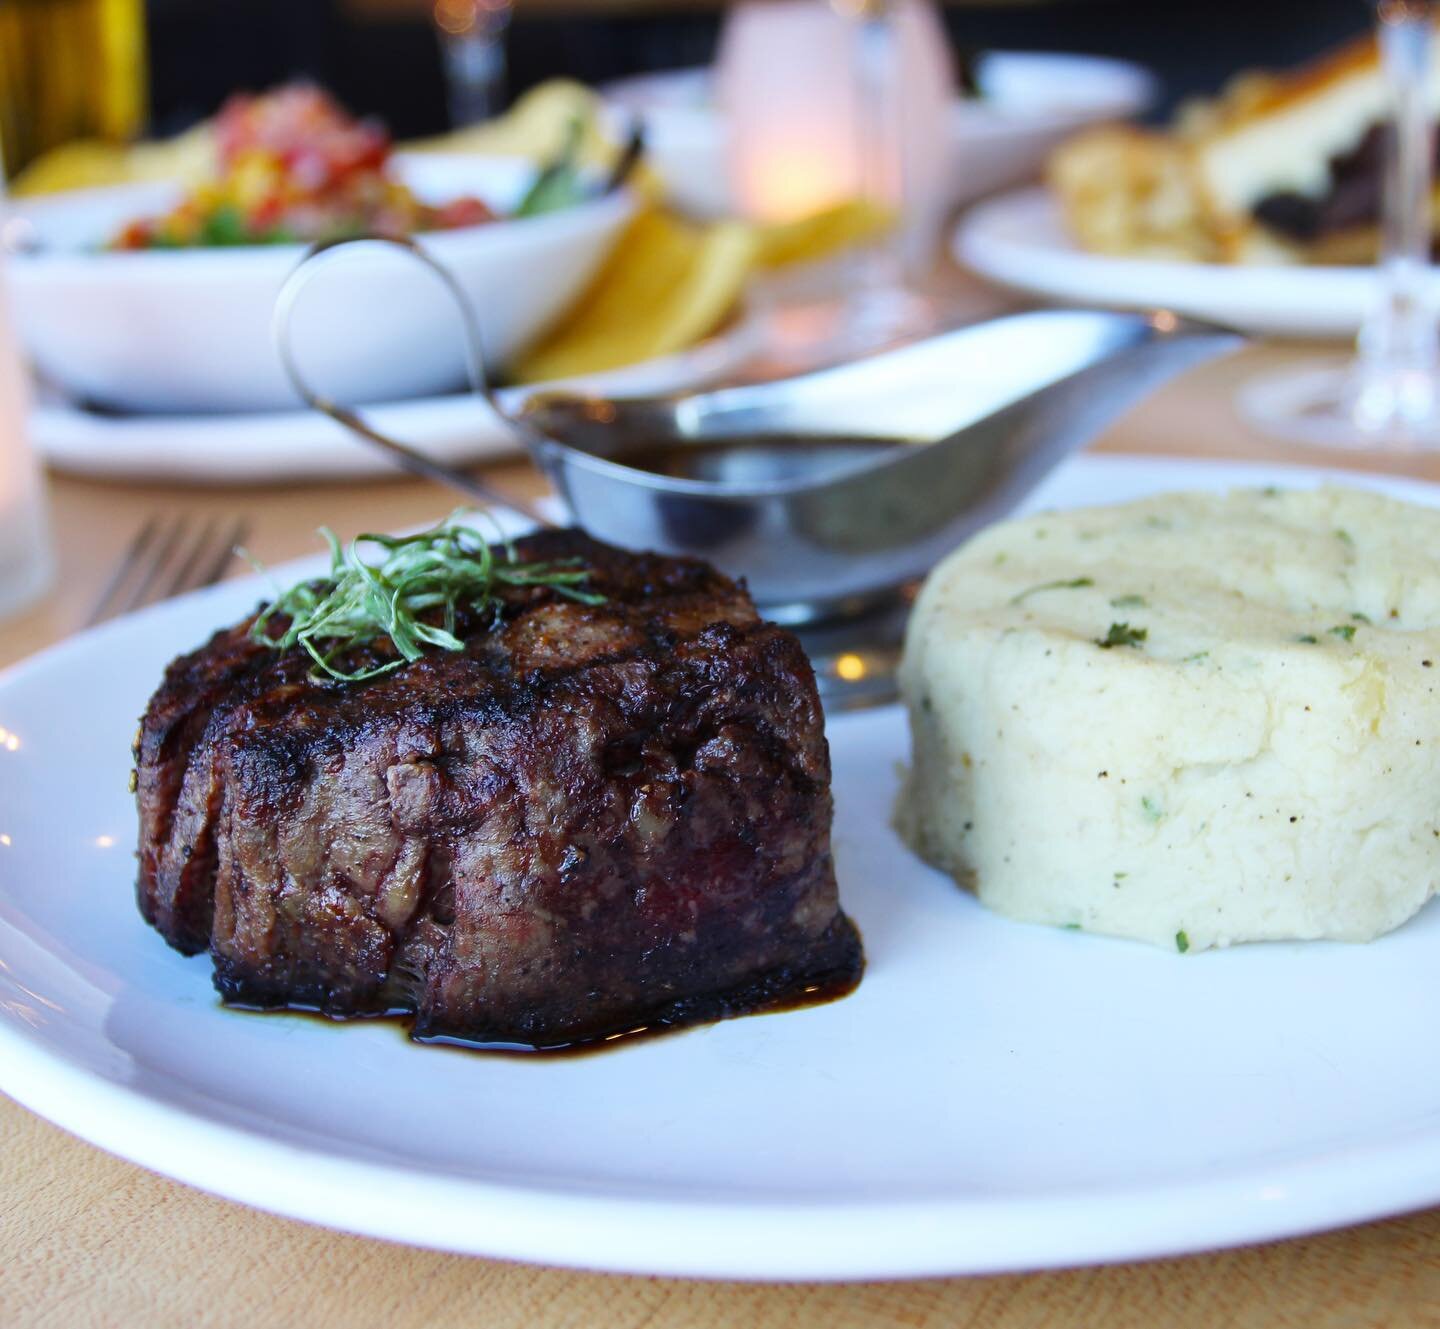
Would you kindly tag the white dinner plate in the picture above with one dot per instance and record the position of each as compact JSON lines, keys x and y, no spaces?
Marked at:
{"x":273,"y":446}
{"x":993,"y":1096}
{"x":189,"y":329}
{"x":1029,"y":102}
{"x":1020,"y":240}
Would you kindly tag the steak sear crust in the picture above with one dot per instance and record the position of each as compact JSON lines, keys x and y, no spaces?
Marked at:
{"x":595,"y":817}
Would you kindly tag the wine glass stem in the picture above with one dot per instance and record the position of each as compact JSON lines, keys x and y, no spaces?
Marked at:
{"x":473,"y":52}
{"x":877,"y":85}
{"x":1399,"y":367}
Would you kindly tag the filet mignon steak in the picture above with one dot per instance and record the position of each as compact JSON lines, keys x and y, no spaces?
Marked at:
{"x":593,"y":818}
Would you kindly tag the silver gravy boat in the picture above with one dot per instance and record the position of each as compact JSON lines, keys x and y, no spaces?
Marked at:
{"x":831,"y":493}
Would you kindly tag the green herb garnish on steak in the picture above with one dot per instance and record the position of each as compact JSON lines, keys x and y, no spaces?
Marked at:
{"x":410,"y":590}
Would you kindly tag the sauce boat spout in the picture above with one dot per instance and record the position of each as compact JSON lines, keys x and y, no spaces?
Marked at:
{"x":830,"y":490}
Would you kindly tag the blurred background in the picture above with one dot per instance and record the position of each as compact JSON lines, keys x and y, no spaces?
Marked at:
{"x":117,"y":68}
{"x":753,"y":187}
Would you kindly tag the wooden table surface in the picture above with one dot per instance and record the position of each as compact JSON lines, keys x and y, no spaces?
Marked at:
{"x":86,"y":1239}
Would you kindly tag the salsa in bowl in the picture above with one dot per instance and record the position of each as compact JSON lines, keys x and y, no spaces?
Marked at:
{"x":158,"y":297}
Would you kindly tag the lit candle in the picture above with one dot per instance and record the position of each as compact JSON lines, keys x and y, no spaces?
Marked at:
{"x":805,"y":132}
{"x":25,"y":562}
{"x":786,"y":91}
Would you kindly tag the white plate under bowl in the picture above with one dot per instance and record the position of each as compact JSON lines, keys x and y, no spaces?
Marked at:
{"x":1029,"y":102}
{"x":1020,"y":240}
{"x":993,"y":1096}
{"x":268,"y":447}
{"x":189,"y":329}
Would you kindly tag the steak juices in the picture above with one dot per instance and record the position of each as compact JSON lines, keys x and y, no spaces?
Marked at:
{"x":593,"y":816}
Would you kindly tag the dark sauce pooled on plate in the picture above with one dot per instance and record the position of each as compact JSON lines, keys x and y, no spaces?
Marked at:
{"x":771,"y":997}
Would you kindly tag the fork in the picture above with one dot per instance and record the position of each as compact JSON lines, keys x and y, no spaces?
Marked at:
{"x":166,"y":557}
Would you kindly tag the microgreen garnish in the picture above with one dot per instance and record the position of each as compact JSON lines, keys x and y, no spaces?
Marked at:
{"x":1308,"y":639}
{"x":1077,"y":584}
{"x":410,"y":592}
{"x":1128,"y":602}
{"x":1345,"y":630}
{"x":1122,"y":634}
{"x":1182,"y":942}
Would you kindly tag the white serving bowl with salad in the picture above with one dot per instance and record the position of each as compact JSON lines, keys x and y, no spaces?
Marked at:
{"x":159,"y":298}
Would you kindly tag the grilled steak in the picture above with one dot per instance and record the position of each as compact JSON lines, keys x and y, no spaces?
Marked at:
{"x":595,"y":817}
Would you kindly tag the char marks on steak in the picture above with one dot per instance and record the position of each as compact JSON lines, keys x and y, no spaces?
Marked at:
{"x":593,"y":818}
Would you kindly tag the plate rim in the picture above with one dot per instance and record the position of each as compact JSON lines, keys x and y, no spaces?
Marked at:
{"x":741,"y":1240}
{"x":983,"y":240}
{"x":78,"y":441}
{"x":1133,"y":85}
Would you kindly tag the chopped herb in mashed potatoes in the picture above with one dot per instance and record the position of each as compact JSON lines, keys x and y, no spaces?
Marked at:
{"x":1192,"y":720}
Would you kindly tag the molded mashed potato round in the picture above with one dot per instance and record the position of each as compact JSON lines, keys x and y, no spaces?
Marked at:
{"x":1192,"y":720}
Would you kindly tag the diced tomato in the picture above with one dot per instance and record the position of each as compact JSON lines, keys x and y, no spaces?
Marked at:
{"x":295,"y":165}
{"x":460,"y":212}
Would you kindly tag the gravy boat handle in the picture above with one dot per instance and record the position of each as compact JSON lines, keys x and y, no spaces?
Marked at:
{"x":405,"y":456}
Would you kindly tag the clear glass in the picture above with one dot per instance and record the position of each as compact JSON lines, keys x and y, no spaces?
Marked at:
{"x":882,"y":306}
{"x":472,"y":45}
{"x":1387,"y":398}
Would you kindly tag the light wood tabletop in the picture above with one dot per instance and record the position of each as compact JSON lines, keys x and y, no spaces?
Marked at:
{"x":86,"y":1239}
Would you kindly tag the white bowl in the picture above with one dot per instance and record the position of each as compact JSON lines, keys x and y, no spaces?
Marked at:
{"x":189,"y":330}
{"x":1030,"y":102}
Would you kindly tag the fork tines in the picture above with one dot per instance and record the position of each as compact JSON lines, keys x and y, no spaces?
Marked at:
{"x":166,"y":557}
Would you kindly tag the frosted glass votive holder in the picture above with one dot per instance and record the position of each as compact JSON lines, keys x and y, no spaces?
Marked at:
{"x":26,"y":562}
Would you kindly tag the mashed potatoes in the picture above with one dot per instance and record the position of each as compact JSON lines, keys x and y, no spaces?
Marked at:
{"x":1192,"y":720}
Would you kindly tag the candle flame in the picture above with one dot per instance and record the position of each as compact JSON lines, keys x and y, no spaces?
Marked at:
{"x":785,"y":180}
